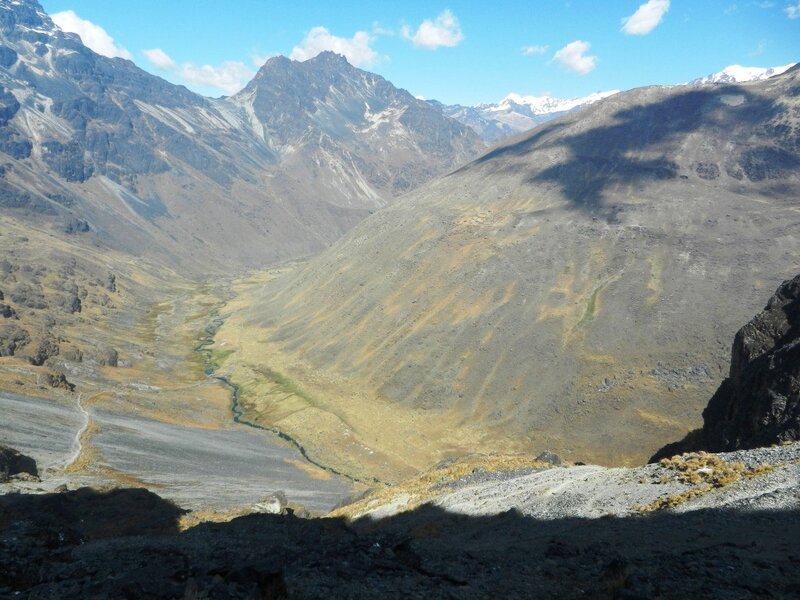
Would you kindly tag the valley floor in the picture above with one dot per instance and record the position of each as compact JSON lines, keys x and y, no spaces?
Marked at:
{"x":143,"y":409}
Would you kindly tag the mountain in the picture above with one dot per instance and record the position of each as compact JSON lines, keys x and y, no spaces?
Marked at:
{"x":99,"y":147}
{"x":740,"y":74}
{"x":515,"y":113}
{"x":348,"y":135}
{"x":574,"y":289}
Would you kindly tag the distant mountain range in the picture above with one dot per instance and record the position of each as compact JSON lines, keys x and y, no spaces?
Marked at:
{"x":515,"y":113}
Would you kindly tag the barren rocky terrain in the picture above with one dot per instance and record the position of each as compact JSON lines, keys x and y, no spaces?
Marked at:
{"x":548,"y":531}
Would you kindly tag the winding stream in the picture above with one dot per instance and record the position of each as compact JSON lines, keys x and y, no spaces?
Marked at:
{"x":238,"y":412}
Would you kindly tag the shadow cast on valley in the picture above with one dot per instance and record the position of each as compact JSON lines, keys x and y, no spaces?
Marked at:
{"x":125,"y":544}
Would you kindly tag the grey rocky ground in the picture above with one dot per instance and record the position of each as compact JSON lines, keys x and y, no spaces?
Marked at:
{"x":555,"y":533}
{"x":201,"y":469}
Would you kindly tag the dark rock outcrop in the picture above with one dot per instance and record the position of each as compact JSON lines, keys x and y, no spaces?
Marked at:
{"x":759,"y":403}
{"x":12,"y":338}
{"x":59,"y":380}
{"x":12,"y":462}
{"x":46,"y":348}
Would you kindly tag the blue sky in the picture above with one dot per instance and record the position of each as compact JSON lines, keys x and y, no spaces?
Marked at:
{"x":457,"y":52}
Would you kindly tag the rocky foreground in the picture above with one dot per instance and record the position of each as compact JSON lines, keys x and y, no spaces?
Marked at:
{"x":697,"y":526}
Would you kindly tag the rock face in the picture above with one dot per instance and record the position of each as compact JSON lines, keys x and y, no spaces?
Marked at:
{"x":352,"y":131}
{"x":759,"y":402}
{"x":100,"y":147}
{"x":13,"y":463}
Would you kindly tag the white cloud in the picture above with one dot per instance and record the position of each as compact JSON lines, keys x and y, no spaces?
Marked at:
{"x":378,"y":29}
{"x":531,"y":50}
{"x":443,"y":31}
{"x":230,"y":77}
{"x":646,"y":17}
{"x":159,"y":59}
{"x":356,"y":49}
{"x":793,"y":11}
{"x":573,"y":57}
{"x":93,"y":36}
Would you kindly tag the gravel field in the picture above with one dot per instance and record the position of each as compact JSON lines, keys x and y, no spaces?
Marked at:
{"x":197,"y":468}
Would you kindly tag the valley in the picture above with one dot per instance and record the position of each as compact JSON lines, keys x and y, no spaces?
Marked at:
{"x":126,"y":374}
{"x":320,"y":337}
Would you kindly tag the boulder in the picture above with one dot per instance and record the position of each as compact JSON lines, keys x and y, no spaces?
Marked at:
{"x":12,"y":463}
{"x":12,"y":338}
{"x":274,"y":504}
{"x":46,"y":348}
{"x":59,"y":380}
{"x":107,"y":357}
{"x":550,"y":458}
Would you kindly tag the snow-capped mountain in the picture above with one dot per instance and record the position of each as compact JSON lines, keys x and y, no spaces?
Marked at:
{"x":543,"y":105}
{"x":516,"y":113}
{"x":739,"y":74}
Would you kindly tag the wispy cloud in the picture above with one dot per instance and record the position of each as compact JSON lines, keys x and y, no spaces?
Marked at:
{"x":93,"y":36}
{"x":229,"y":77}
{"x":357,"y":49}
{"x":443,"y":31}
{"x":764,"y":4}
{"x":159,"y":59}
{"x":646,"y":18}
{"x":533,"y":50}
{"x":793,"y":11}
{"x":573,"y":57}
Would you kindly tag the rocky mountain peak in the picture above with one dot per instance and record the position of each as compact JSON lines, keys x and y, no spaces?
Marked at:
{"x":24,"y":13}
{"x":329,"y":57}
{"x":325,"y":103}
